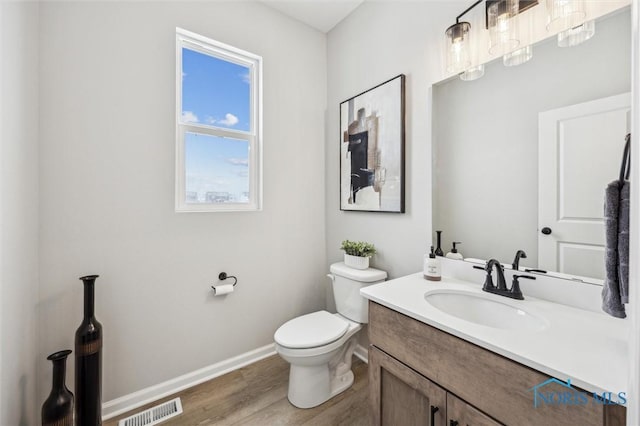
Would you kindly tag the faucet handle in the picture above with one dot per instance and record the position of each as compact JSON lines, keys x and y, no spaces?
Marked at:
{"x":540,"y":271}
{"x":488,"y":281}
{"x":515,"y":277}
{"x":515,"y":286}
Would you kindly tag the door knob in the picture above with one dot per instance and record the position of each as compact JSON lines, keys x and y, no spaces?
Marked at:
{"x":546,"y":230}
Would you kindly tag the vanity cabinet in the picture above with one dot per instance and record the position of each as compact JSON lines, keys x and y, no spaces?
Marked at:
{"x":401,"y":396}
{"x":413,"y":367}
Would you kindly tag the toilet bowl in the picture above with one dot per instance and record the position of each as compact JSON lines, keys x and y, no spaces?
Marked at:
{"x":319,"y":346}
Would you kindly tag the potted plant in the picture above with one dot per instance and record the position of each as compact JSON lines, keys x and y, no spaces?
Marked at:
{"x":357,"y":253}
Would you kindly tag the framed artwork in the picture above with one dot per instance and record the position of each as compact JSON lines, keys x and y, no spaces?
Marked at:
{"x":372,"y":149}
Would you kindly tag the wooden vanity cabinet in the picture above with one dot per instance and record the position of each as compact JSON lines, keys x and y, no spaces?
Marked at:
{"x":414,"y":367}
{"x":400,"y":396}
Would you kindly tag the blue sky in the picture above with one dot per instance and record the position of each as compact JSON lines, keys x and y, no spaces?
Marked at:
{"x":215,"y":93}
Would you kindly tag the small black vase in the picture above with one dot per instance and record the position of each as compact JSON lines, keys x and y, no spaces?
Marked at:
{"x":57,"y":410}
{"x":439,"y":251}
{"x":89,"y":361}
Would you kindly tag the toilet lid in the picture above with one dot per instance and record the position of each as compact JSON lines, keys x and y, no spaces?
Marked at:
{"x":311,"y":330}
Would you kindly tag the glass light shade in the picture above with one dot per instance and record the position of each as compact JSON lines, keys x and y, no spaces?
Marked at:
{"x":518,"y":57}
{"x":565,"y":14}
{"x":503,"y":26}
{"x":457,"y":42}
{"x":472,"y":73}
{"x":576,"y":35}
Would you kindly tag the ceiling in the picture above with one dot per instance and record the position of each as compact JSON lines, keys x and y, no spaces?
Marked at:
{"x":320,"y":14}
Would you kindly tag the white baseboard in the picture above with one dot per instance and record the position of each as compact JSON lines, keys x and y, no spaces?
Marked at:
{"x":137,"y":399}
{"x":362,"y":353}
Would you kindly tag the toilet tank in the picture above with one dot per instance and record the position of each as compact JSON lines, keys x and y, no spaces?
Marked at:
{"x":347,"y":283}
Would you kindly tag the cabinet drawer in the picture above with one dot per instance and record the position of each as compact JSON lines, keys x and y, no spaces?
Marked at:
{"x":492,"y":383}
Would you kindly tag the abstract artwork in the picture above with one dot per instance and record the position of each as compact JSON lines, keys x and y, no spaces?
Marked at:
{"x":372,"y":149}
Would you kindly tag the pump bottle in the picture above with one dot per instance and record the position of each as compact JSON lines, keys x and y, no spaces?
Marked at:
{"x":453,"y":254}
{"x":432,"y":270}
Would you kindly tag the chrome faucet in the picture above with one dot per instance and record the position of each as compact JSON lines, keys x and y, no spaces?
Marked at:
{"x":501,"y":289}
{"x":520,"y":254}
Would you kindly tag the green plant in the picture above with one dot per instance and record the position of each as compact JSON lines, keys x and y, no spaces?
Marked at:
{"x":358,"y":248}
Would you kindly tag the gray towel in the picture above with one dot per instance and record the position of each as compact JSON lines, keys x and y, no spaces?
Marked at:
{"x":623,"y":242}
{"x":611,"y":292}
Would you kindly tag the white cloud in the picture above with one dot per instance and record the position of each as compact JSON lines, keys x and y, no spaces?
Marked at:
{"x":246,"y":77}
{"x":229,"y":120}
{"x":210,"y":120}
{"x":238,"y":161}
{"x":189,"y":117}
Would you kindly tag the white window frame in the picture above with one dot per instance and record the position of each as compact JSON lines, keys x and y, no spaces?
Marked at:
{"x":207,"y":46}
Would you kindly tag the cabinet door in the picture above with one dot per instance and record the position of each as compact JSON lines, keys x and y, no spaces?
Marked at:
{"x":459,"y":413}
{"x":400,"y":396}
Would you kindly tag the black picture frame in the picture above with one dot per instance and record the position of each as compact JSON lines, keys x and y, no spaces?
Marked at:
{"x":372,"y":149}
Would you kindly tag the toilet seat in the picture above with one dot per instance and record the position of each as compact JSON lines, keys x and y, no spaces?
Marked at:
{"x":311,"y":330}
{"x":352,"y":329}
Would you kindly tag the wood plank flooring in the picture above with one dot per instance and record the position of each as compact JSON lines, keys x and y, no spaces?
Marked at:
{"x":257,"y":395}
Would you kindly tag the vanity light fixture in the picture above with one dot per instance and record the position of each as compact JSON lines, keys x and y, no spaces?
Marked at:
{"x":565,"y":14}
{"x":459,"y":53}
{"x":457,"y":39}
{"x":501,"y":19}
{"x":577,"y":35}
{"x":503,"y":26}
{"x":518,"y":57}
{"x":472,"y":73}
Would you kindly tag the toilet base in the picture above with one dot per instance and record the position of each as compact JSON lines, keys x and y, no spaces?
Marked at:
{"x":310,"y":386}
{"x":342,"y":383}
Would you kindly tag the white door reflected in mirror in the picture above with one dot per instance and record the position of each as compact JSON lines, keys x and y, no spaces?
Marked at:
{"x":580,"y":150}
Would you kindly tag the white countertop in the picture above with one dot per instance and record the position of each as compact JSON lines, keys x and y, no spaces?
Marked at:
{"x":589,"y":348}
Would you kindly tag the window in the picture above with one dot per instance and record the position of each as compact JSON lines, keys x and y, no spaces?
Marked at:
{"x":218,"y":126}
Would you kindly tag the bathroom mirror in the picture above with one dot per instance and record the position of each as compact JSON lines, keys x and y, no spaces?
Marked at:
{"x":531,"y":147}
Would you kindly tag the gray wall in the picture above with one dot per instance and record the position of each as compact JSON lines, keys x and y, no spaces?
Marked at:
{"x":18,"y":212}
{"x":107,"y":190}
{"x":485,"y":136}
{"x":380,"y":40}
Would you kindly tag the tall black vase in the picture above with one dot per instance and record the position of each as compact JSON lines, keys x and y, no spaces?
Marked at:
{"x":439,"y":251}
{"x":57,"y":410}
{"x":89,"y":361}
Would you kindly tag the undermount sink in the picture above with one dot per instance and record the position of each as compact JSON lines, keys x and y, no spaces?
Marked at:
{"x":484,"y":310}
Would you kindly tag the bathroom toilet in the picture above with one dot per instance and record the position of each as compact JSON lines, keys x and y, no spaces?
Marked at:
{"x":319,"y":345}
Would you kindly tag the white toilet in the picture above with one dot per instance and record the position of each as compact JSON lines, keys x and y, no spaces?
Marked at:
{"x":319,"y":345}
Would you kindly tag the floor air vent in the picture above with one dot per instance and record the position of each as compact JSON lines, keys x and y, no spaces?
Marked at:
{"x":154,"y":415}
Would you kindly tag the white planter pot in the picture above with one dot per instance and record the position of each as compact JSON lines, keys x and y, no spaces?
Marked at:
{"x":356,"y":262}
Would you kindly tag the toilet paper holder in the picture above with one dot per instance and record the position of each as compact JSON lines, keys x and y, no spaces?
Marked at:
{"x":223,"y":276}
{"x":221,"y":290}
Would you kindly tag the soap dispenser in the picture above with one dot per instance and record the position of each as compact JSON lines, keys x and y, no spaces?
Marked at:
{"x":432,"y":270}
{"x":453,"y":254}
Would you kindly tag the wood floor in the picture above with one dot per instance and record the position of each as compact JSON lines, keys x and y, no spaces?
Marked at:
{"x":257,"y":395}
